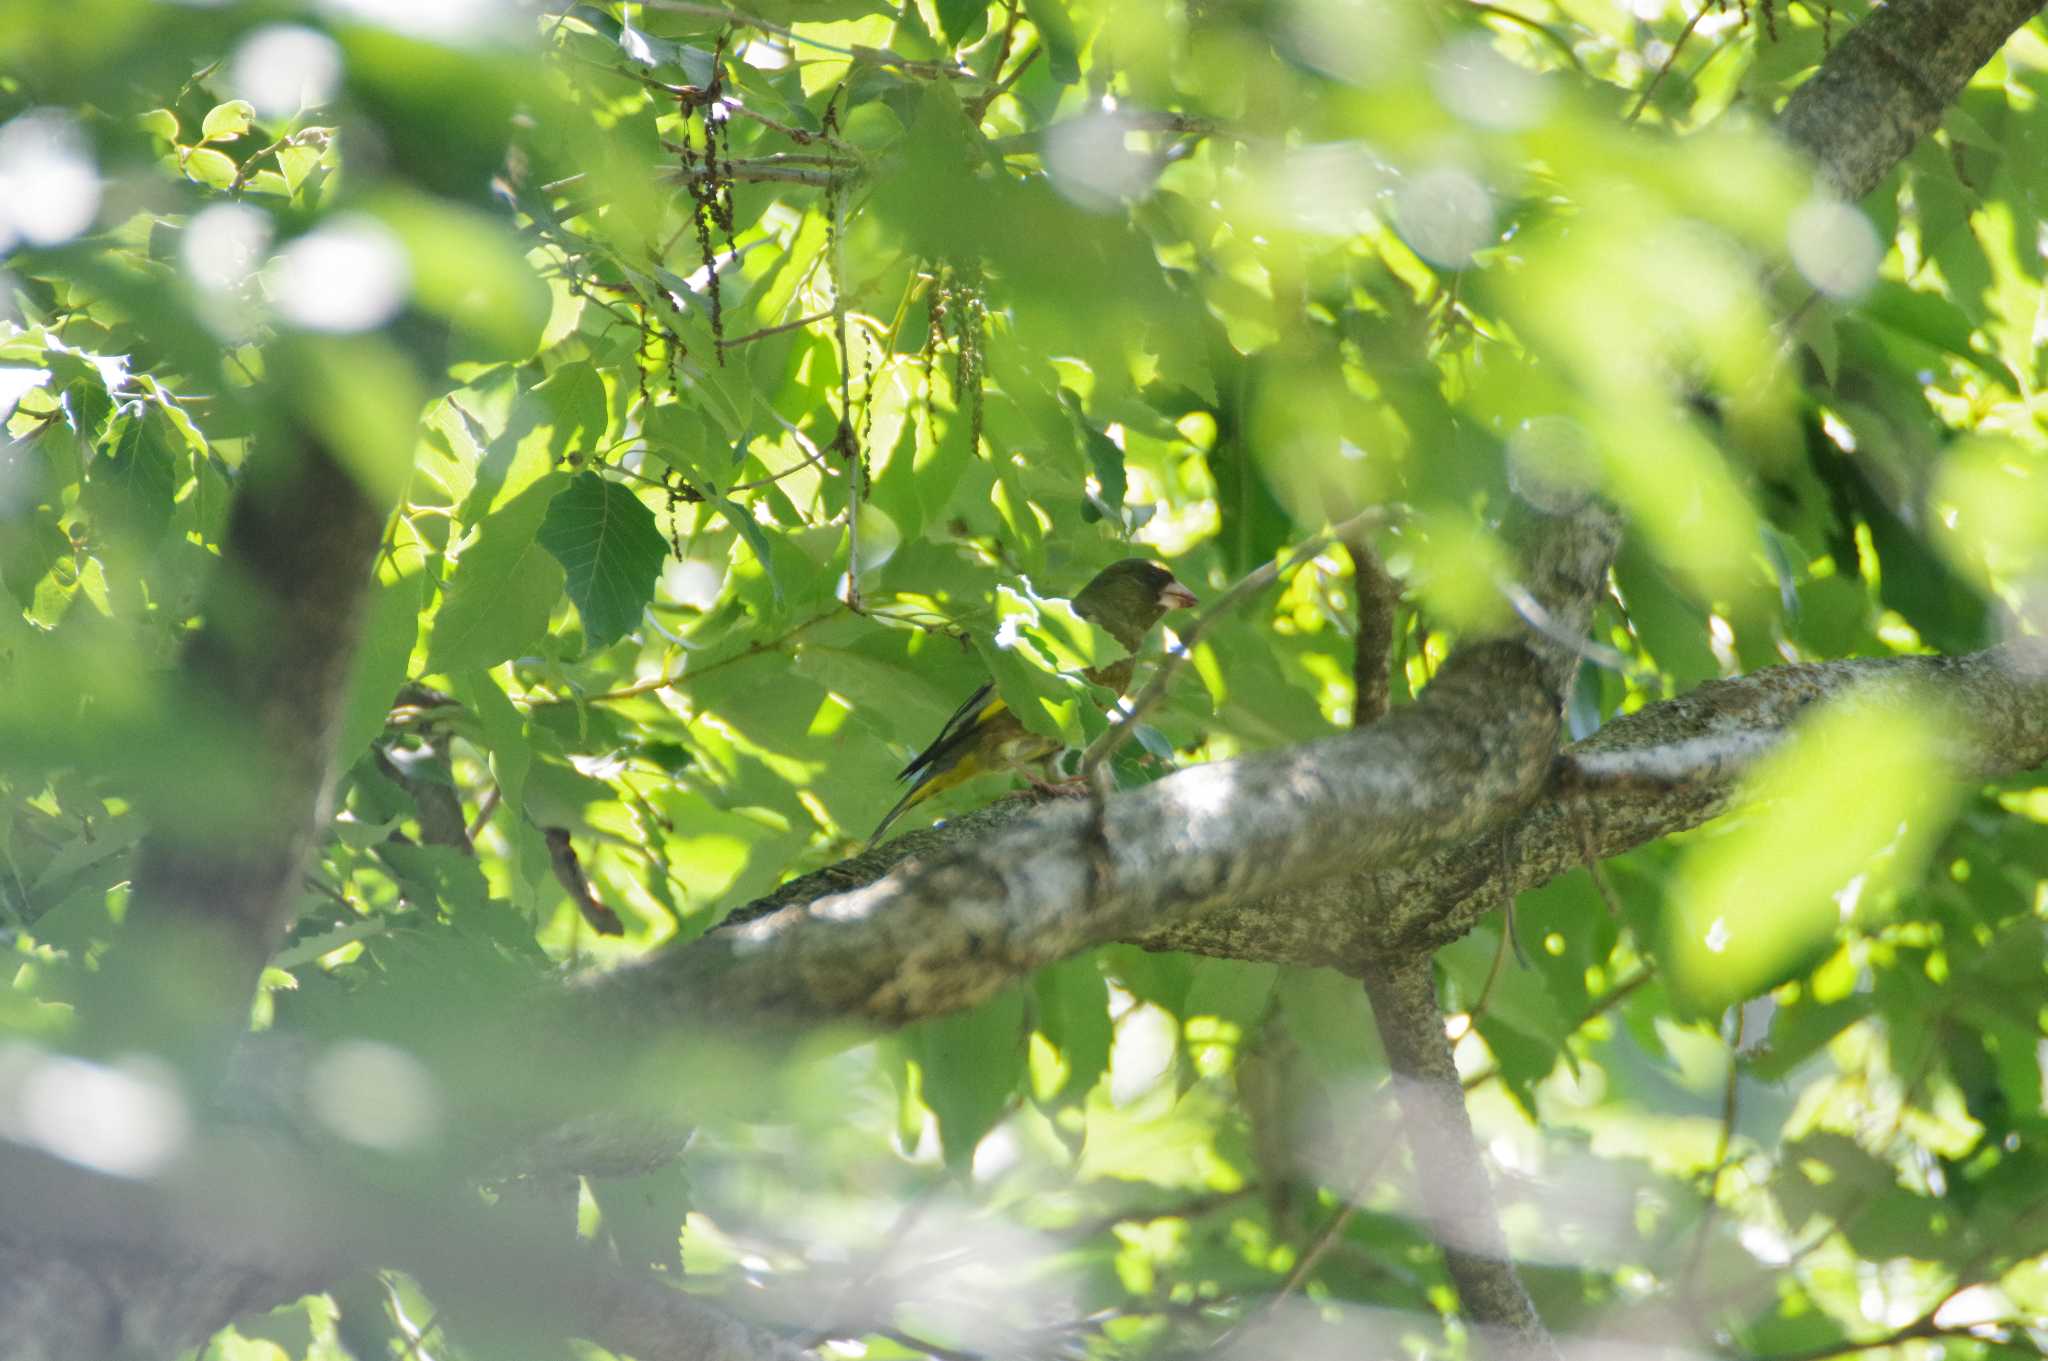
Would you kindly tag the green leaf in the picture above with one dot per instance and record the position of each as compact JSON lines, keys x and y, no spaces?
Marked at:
{"x":160,"y":123}
{"x":1230,"y":990}
{"x":607,"y":541}
{"x":957,"y":18}
{"x":1073,"y":1016}
{"x":225,"y":122}
{"x":1673,"y":628}
{"x":504,"y":734}
{"x":757,"y":539}
{"x":1056,"y":31}
{"x":496,"y":603}
{"x":389,"y":636}
{"x":573,"y":397}
{"x":1041,"y":701}
{"x":876,"y":685}
{"x":130,"y":485}
{"x":215,"y":169}
{"x":295,"y":163}
{"x":1105,"y":457}
{"x":1928,"y":318}
{"x":643,"y":1216}
{"x":971,"y":1064}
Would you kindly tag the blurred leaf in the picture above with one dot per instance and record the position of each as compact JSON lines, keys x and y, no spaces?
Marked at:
{"x":643,"y":1216}
{"x":390,"y":632}
{"x":957,"y":18}
{"x":130,"y":485}
{"x":1759,"y":903}
{"x":1056,"y":32}
{"x":467,"y":267}
{"x":971,"y":1063}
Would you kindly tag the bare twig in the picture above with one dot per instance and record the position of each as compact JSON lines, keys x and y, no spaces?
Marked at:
{"x":1372,"y":649}
{"x":485,"y":806}
{"x":671,"y":678}
{"x":1450,"y":1174}
{"x":1643,"y":100}
{"x":568,"y":868}
{"x":1541,"y":30}
{"x":872,"y":56}
{"x":1102,"y":748}
{"x":1609,"y":1000}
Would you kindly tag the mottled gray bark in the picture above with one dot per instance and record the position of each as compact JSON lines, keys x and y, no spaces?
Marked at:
{"x":946,"y":929}
{"x":1439,"y":803}
{"x":1450,"y":1175}
{"x":99,"y":1266}
{"x":1888,"y":82}
{"x":1666,"y":768}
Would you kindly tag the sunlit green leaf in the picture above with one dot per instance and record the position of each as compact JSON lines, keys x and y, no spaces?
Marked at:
{"x":611,"y":551}
{"x":504,"y":587}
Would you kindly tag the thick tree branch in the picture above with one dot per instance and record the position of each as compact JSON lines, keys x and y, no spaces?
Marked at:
{"x":1889,"y":81}
{"x":216,"y":879}
{"x":1666,"y":768}
{"x":944,"y":930}
{"x":1450,"y":1175}
{"x":125,"y":1268}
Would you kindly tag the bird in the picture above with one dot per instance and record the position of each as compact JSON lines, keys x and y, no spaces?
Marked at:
{"x":1124,"y":600}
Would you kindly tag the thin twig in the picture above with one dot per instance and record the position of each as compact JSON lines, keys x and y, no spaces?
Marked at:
{"x":929,"y":1348}
{"x":801,"y":136}
{"x":485,"y":806}
{"x":990,"y":95}
{"x":671,"y":678}
{"x":1537,"y":27}
{"x":767,"y":331}
{"x":1103,"y":747}
{"x":1643,"y":101}
{"x":1371,"y":651}
{"x":314,"y":136}
{"x":768,"y":174}
{"x":978,"y":107}
{"x":1313,"y":1255}
{"x":1689,"y":1274}
{"x":1609,"y":1000}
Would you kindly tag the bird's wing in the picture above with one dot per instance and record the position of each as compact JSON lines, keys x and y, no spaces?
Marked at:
{"x":983,"y":704}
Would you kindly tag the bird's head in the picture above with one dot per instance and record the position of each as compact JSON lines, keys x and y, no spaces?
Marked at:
{"x":1127,"y":598}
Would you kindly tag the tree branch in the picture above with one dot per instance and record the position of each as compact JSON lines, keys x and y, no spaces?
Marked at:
{"x":1698,"y":747}
{"x":216,"y":878}
{"x":1450,"y":1175}
{"x":944,"y":930}
{"x":1888,"y":83}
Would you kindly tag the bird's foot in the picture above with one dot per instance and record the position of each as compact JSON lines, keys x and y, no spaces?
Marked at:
{"x":1066,"y":787}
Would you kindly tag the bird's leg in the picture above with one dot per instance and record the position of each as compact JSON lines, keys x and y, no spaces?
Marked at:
{"x":1062,"y":786}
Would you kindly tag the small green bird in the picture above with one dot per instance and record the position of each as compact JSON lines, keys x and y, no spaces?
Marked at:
{"x":1124,"y":600}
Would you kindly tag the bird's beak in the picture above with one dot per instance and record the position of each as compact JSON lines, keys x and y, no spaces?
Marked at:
{"x":1174,"y":596}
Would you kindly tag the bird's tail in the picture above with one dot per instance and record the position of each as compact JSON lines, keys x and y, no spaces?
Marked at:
{"x":915,"y":794}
